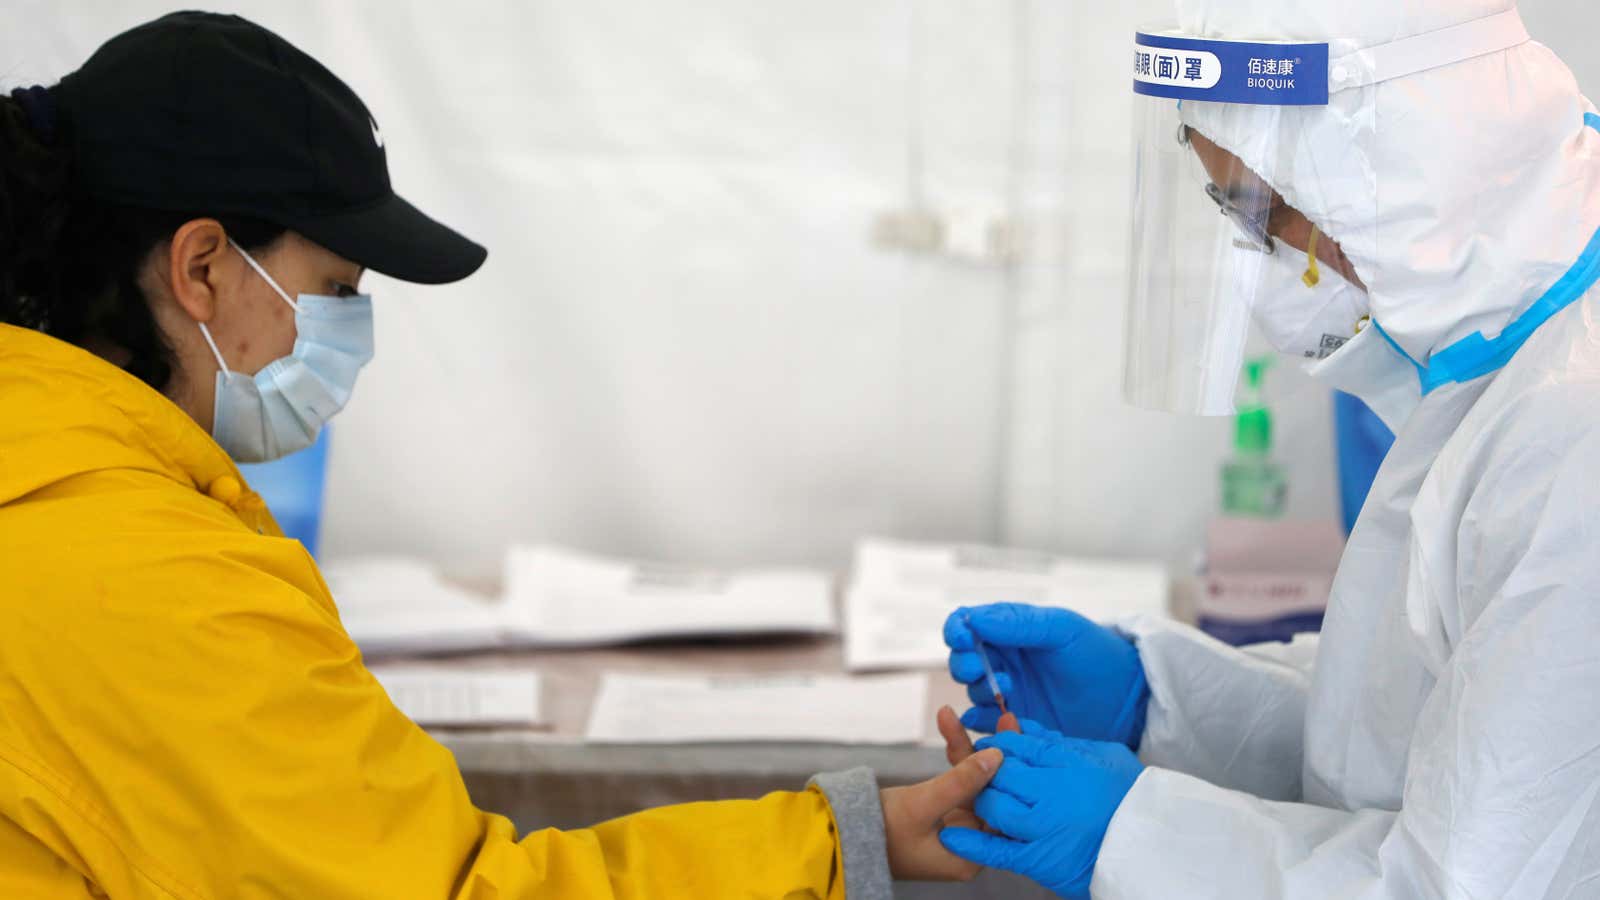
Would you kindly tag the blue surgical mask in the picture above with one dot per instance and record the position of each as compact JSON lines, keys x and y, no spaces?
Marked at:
{"x":283,"y":407}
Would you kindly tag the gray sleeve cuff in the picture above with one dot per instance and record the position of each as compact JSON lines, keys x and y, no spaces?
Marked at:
{"x":853,"y":795}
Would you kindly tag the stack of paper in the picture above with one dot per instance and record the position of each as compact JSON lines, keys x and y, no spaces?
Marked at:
{"x":399,"y":605}
{"x":557,"y":597}
{"x":561,"y":597}
{"x":463,"y":697}
{"x":901,"y":593}
{"x":648,"y":709}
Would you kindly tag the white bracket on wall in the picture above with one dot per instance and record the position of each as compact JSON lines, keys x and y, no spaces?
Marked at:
{"x":980,"y":237}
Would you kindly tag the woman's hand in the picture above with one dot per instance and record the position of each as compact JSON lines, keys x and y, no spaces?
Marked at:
{"x":913,"y":816}
{"x":957,"y":743}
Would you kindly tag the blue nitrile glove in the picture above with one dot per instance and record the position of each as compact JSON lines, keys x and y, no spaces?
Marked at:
{"x":1054,"y":666}
{"x":1051,"y":803}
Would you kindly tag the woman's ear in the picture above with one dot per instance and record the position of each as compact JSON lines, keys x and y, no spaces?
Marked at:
{"x":195,"y":266}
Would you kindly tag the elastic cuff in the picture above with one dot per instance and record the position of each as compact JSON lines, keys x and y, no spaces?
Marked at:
{"x":1130,"y":722}
{"x":1135,"y":629}
{"x":858,"y":815}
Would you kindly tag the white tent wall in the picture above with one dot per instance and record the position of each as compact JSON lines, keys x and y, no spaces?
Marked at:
{"x":685,"y":344}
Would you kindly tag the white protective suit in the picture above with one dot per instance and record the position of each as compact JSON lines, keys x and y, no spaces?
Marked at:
{"x":1442,"y":737}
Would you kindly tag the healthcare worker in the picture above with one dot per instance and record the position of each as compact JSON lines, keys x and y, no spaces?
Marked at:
{"x":184,"y":223}
{"x":1410,"y":195}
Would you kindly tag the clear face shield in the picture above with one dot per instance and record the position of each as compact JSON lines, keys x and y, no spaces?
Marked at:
{"x":1247,"y":179}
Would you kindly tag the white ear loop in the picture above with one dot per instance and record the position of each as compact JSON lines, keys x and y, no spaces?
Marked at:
{"x":206,"y":332}
{"x":263,"y":273}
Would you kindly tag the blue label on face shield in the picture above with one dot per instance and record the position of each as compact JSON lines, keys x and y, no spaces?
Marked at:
{"x":1230,"y":71}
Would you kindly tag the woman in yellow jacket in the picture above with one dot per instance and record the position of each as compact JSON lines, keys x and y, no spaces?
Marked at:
{"x":183,"y":225}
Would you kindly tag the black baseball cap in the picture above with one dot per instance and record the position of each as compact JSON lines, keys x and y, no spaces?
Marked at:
{"x":207,"y":113}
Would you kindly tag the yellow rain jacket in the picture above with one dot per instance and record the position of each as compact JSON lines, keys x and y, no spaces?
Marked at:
{"x":183,"y":716}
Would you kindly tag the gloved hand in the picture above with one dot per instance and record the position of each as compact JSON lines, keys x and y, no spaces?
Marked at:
{"x":1051,"y":803}
{"x":1054,"y":666}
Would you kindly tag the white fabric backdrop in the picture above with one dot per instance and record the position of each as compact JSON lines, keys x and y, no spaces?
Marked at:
{"x":684,"y":344}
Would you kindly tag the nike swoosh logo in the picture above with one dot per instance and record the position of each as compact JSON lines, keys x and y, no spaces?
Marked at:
{"x":377,"y":136}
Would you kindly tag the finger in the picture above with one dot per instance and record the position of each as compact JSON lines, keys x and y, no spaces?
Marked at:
{"x":957,"y":743}
{"x":1017,"y":779}
{"x":983,"y":849}
{"x":1041,"y":751}
{"x":1004,"y":813}
{"x":957,"y":636}
{"x":1015,"y":744}
{"x":961,"y":818}
{"x":981,"y":718}
{"x":1021,"y":625}
{"x":1034,"y":729}
{"x":980,"y":695}
{"x":1007,"y":722}
{"x":966,"y":667}
{"x":955,"y":788}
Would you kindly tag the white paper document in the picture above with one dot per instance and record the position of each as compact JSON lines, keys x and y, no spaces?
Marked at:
{"x":562,"y":597}
{"x":900,"y":594}
{"x":463,"y":697}
{"x":399,"y":605}
{"x":554,"y":597}
{"x":867,"y":709}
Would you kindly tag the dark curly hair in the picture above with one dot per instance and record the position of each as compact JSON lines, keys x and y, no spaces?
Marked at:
{"x":69,"y":264}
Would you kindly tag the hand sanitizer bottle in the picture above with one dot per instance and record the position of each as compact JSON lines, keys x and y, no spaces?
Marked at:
{"x":1252,"y":484}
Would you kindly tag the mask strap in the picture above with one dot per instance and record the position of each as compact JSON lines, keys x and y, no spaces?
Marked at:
{"x":1313,"y":275}
{"x":263,"y":273}
{"x":206,"y":332}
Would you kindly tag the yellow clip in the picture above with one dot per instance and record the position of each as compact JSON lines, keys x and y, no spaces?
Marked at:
{"x":1313,"y":275}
